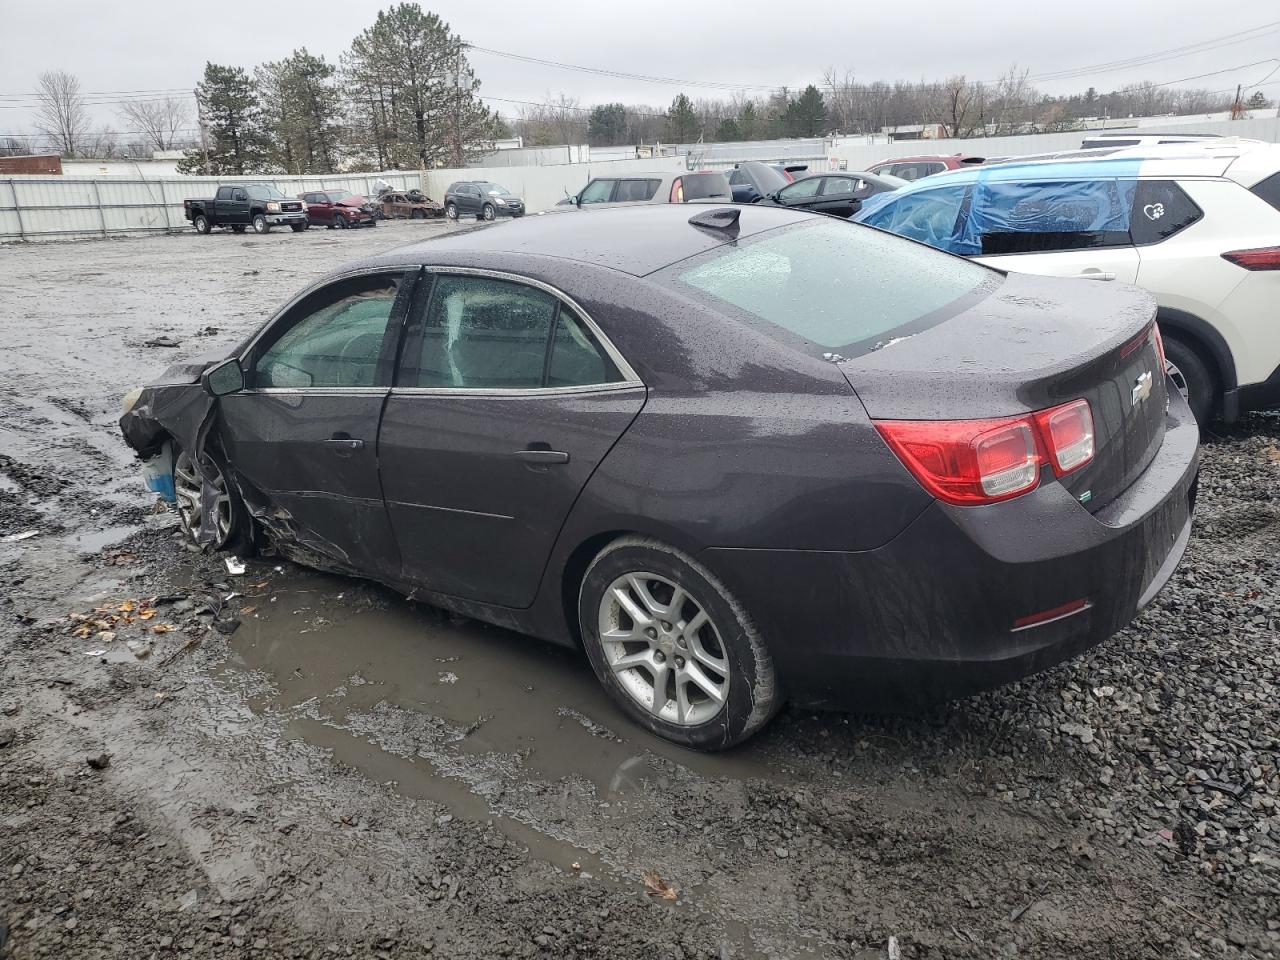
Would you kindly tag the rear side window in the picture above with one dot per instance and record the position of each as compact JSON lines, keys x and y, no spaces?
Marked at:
{"x":833,"y":284}
{"x":635,"y":191}
{"x":1044,"y":215}
{"x":577,"y":359}
{"x":1160,"y":209}
{"x":1269,"y":190}
{"x":929,"y":216}
{"x":916,"y":171}
{"x":481,"y":333}
{"x":701,"y":186}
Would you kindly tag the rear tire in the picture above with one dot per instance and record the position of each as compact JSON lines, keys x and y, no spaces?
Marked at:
{"x":451,"y":211}
{"x":260,"y":224}
{"x":693,"y":670}
{"x":1195,"y":381}
{"x":297,"y":227}
{"x":201,"y":223}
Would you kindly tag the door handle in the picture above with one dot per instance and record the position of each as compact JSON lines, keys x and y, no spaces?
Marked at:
{"x":1094,"y":274}
{"x":343,"y":442}
{"x":542,"y":458}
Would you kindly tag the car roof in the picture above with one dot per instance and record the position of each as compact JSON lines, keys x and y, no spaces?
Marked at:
{"x":1209,"y":158}
{"x":965,"y":158}
{"x":634,"y":239}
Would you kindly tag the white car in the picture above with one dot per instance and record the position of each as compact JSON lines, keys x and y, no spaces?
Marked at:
{"x":1195,"y":224}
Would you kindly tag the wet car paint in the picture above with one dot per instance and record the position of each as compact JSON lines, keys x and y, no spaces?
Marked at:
{"x":743,"y":446}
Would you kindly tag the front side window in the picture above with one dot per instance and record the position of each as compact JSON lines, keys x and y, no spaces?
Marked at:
{"x":1160,"y":209}
{"x":333,"y":338}
{"x":835,"y":285}
{"x":801,"y":189}
{"x":597,"y":191}
{"x":929,"y":216}
{"x":1040,"y":216}
{"x":239,"y":195}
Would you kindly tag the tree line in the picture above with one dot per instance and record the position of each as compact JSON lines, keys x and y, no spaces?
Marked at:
{"x":957,"y":106}
{"x":402,"y":95}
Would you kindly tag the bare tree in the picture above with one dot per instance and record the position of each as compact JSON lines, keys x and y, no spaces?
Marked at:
{"x":158,"y":122}
{"x":843,"y":96}
{"x":957,"y":105}
{"x":61,"y":115}
{"x":1010,"y":102}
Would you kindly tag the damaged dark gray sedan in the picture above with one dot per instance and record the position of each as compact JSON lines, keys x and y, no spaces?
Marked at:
{"x":735,"y":454}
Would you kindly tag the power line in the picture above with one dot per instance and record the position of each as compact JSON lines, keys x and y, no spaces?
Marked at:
{"x":1202,"y":46}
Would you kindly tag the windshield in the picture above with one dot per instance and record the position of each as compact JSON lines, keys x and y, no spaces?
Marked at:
{"x":260,"y":191}
{"x":336,"y":196}
{"x":836,"y":285}
{"x":494,"y":190}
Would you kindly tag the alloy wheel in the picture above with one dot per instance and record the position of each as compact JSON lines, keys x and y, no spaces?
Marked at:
{"x":1179,"y":379}
{"x":187,"y":486}
{"x":665,"y":651}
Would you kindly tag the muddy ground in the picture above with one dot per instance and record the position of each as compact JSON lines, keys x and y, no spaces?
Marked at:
{"x":291,"y":764}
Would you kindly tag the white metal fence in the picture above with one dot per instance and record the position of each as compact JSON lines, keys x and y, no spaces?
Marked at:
{"x":38,"y":208}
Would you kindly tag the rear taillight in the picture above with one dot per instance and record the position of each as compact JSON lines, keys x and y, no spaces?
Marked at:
{"x":1260,"y":258}
{"x":1068,"y":434}
{"x":1155,"y":332}
{"x":677,"y":190}
{"x":973,"y":462}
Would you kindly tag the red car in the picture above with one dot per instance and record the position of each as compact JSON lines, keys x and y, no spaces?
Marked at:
{"x":913,"y":168}
{"x":339,"y":208}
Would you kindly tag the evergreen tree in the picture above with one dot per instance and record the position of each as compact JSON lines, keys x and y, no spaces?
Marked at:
{"x":232,"y":115}
{"x":748,"y":121}
{"x":728,"y":131}
{"x":413,"y":92}
{"x":302,"y":109}
{"x":806,"y":116}
{"x":682,"y":120}
{"x":607,"y":125}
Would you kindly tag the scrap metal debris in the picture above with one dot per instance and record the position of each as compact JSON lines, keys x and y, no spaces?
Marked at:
{"x":655,"y":886}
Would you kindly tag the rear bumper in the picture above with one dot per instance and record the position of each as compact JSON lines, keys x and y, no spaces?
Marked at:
{"x":931,"y":615}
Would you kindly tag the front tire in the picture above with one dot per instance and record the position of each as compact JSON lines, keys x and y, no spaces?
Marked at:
{"x":201,"y":223}
{"x":232,"y":525}
{"x":260,"y":224}
{"x":489,"y":212}
{"x":673,"y":647}
{"x":418,"y":215}
{"x":339,"y":221}
{"x":1193,"y":378}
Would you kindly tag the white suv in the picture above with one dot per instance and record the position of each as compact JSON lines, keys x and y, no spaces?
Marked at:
{"x":1195,"y":224}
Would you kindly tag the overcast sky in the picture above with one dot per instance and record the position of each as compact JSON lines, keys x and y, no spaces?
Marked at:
{"x":160,"y":44}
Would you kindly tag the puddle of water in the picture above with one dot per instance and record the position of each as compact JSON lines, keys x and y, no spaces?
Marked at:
{"x":92,"y":541}
{"x":517,"y":695}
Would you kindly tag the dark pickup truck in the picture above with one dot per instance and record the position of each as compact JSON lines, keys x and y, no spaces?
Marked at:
{"x":256,"y":205}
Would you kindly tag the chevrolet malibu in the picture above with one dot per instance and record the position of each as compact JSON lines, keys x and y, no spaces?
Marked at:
{"x":735,"y":455}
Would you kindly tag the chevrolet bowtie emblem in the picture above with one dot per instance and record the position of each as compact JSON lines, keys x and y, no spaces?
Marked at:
{"x":1141,"y":389}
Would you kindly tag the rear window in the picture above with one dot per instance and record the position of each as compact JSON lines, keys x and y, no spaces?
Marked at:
{"x":1269,"y":190}
{"x":833,"y":284}
{"x":700,"y":186}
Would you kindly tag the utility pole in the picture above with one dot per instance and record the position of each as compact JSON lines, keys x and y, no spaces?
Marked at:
{"x":457,"y":109}
{"x":204,"y":136}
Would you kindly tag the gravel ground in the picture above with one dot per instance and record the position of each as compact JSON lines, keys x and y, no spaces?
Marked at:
{"x":310,"y":766}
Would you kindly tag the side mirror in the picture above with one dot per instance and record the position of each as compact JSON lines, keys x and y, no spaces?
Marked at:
{"x":223,"y":378}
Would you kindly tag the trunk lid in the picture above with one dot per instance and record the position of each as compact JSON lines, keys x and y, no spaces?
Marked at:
{"x":1034,"y":343}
